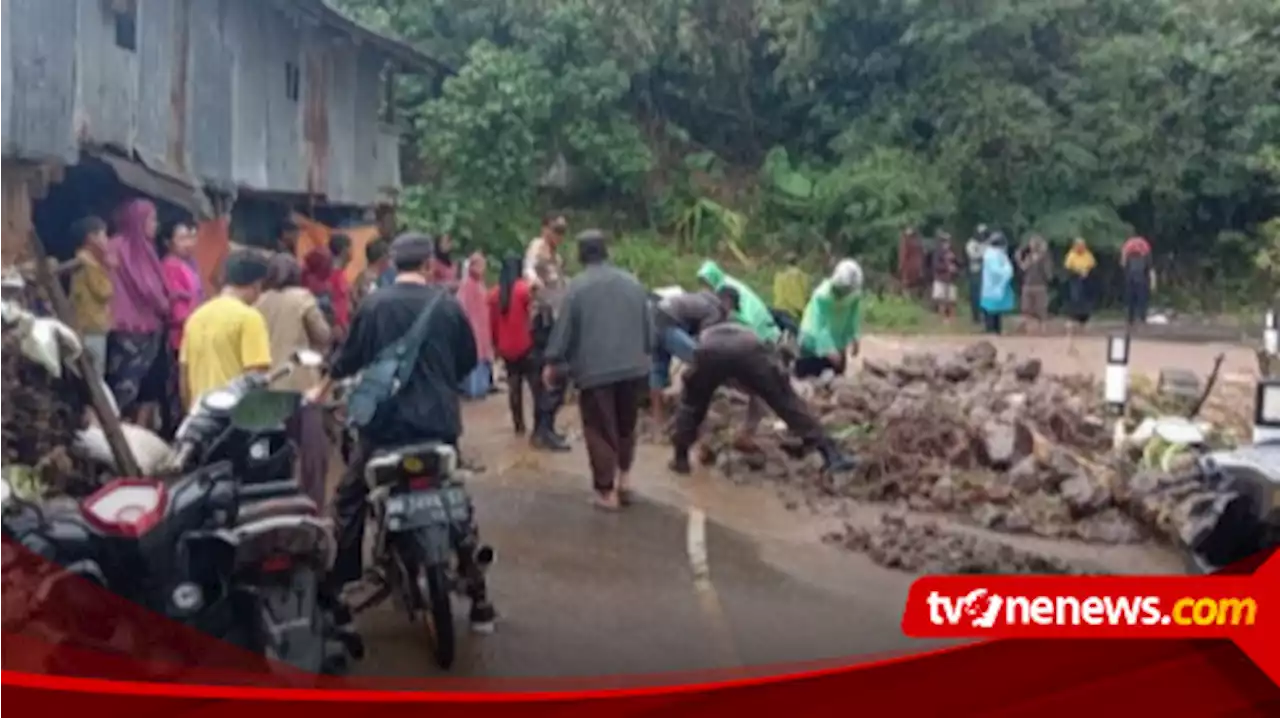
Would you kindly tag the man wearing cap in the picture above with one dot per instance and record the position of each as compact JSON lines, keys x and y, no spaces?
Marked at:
{"x":426,"y":408}
{"x":225,"y":337}
{"x":544,"y":271}
{"x":832,"y":322}
{"x":604,"y":339}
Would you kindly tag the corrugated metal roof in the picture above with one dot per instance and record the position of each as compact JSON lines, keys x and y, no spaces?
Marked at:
{"x":408,"y":56}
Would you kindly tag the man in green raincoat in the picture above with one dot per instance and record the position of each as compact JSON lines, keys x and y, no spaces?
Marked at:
{"x":754,"y":312}
{"x":832,"y":322}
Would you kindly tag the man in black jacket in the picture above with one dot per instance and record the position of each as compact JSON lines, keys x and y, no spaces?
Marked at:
{"x":427,"y":407}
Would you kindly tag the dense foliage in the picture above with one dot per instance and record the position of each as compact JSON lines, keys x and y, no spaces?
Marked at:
{"x":769,"y":124}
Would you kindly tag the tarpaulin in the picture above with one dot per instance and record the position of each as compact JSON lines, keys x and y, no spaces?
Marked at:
{"x":315,"y":235}
{"x":213,"y":244}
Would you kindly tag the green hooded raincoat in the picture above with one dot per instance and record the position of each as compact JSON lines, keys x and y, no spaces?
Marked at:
{"x":830,"y":322}
{"x":752,"y":311}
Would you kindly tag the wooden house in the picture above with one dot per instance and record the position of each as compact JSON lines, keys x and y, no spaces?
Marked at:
{"x":231,"y":109}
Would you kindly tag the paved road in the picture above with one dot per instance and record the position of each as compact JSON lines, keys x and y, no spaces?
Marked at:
{"x":584,"y":593}
{"x":659,"y":588}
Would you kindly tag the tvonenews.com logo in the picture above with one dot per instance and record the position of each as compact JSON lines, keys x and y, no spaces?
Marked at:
{"x":980,"y":608}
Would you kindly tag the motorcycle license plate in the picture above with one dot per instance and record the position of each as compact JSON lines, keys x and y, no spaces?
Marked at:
{"x":427,"y":508}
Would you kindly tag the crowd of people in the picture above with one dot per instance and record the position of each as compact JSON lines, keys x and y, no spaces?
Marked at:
{"x":992,"y":269}
{"x":162,"y":338}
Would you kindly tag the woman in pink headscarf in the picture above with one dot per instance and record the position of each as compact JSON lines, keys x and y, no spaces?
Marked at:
{"x":473,"y":295}
{"x":140,"y":314}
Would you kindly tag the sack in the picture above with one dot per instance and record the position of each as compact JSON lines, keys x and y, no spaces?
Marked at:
{"x":386,"y":375}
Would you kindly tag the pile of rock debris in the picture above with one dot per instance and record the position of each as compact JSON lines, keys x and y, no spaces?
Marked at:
{"x":997,"y":441}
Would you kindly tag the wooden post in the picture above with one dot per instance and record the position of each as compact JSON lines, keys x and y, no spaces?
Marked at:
{"x":111,"y":426}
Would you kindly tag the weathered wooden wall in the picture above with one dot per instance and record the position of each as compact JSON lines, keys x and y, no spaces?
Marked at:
{"x":204,"y":92}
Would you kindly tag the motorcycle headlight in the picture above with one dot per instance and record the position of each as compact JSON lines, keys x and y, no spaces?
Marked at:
{"x":220,"y":400}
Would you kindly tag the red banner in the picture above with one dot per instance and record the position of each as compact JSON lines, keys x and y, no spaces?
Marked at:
{"x":83,"y":650}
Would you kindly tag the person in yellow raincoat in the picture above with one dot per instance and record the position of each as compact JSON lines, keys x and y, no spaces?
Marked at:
{"x":1079,"y":264}
{"x":791,"y":288}
{"x":832,"y":322}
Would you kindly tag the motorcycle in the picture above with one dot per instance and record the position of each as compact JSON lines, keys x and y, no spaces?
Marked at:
{"x":427,"y":544}
{"x":232,"y":547}
{"x":1252,"y":523}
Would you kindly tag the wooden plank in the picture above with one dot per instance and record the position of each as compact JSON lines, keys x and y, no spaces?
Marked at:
{"x":107,"y":418}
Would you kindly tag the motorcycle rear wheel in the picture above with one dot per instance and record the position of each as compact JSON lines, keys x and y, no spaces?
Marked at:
{"x":437,"y":615}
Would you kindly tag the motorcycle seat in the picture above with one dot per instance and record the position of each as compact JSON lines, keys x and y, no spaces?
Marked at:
{"x":271,"y":508}
{"x":384,"y":457}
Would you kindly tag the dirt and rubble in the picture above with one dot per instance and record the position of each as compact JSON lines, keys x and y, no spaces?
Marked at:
{"x":41,"y":415}
{"x":992,"y":441}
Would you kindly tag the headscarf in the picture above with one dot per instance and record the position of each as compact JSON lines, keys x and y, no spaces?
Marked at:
{"x":1080,"y":261}
{"x":512,"y":268}
{"x":473,"y":295}
{"x":317,"y":272}
{"x":848,"y":276}
{"x":1134,"y":245}
{"x":443,"y":256}
{"x":138,"y":276}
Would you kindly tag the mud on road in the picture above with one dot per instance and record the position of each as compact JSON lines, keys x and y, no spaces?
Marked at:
{"x":707,"y":571}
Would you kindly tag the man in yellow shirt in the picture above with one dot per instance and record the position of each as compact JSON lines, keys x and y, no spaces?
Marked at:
{"x":226,"y":336}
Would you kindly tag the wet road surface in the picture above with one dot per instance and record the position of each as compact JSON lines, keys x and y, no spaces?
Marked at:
{"x":658,"y":588}
{"x":701,"y":573}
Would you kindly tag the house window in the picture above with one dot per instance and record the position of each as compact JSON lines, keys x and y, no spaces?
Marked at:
{"x":388,"y":109}
{"x":124,"y":13}
{"x":292,"y":81}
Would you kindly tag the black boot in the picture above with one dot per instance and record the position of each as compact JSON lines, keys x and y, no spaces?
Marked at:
{"x":545,"y":437}
{"x":834,"y":460}
{"x":680,"y":462}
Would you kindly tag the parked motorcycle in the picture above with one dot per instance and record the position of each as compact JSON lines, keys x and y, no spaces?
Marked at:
{"x":233,"y":547}
{"x":427,"y":544}
{"x":1252,"y":523}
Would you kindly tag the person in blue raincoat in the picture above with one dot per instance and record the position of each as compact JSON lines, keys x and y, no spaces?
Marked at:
{"x":997,"y":297}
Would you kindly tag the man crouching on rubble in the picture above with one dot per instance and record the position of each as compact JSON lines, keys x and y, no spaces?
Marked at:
{"x":729,"y":352}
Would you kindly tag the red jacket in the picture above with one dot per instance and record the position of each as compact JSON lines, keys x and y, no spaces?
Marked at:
{"x":328,"y":284}
{"x":512,"y":336}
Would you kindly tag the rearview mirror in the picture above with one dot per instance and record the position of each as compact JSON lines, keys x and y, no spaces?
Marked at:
{"x":308,"y":358}
{"x":265,"y":409}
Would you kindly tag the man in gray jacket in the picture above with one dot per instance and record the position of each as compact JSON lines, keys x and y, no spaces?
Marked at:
{"x":604,"y":339}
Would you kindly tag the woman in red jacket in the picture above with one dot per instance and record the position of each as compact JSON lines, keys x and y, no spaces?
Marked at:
{"x":509,"y":314}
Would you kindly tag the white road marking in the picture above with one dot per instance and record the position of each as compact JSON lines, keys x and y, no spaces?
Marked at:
{"x":696,"y":544}
{"x":699,"y":563}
